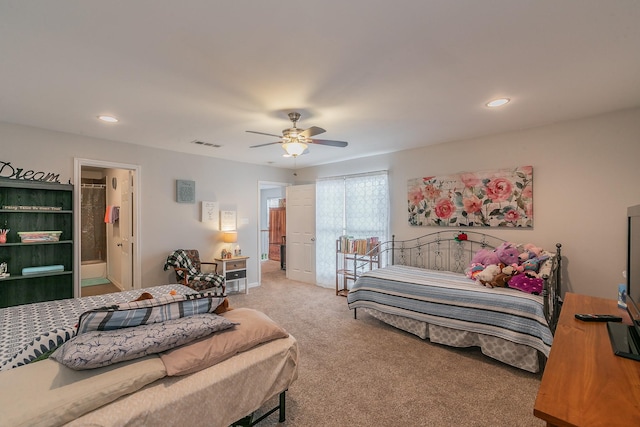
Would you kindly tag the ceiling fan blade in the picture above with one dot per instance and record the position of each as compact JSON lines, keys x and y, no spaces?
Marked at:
{"x":313,"y":130}
{"x":329,"y":142}
{"x":264,"y":145}
{"x":262,"y":133}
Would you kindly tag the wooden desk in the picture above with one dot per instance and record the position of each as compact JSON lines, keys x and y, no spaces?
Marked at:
{"x":584,"y":383}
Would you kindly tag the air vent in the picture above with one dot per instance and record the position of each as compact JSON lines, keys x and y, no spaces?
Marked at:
{"x":208,"y":144}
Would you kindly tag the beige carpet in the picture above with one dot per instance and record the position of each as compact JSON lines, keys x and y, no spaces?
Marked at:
{"x":365,"y":373}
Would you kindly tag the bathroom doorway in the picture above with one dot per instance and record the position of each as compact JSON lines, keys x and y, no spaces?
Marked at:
{"x":106,"y":202}
{"x":271,"y":234}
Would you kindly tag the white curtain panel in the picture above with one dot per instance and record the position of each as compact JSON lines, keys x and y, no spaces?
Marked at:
{"x":354,"y":205}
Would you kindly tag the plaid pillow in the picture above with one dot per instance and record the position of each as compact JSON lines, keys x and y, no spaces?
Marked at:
{"x":152,"y":311}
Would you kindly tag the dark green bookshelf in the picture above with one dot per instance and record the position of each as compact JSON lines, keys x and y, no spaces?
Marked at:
{"x":37,"y":202}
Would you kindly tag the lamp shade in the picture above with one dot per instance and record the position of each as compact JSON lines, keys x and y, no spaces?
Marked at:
{"x":230,"y":237}
{"x":294,"y":148}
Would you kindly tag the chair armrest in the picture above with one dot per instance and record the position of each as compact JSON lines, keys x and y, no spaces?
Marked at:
{"x":185,"y":273}
{"x":215,"y":265}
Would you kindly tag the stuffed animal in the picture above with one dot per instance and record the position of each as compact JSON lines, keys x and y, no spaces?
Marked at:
{"x":507,"y":253}
{"x":143,"y":296}
{"x":529,"y":251}
{"x":487,"y":276}
{"x":526,"y":283}
{"x":501,"y":280}
{"x":532,"y":266}
{"x":485,"y":257}
{"x":474,"y":270}
{"x":530,"y":247}
{"x":223,"y":307}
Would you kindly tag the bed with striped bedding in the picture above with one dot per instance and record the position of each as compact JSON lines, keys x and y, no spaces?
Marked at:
{"x":449,"y":308}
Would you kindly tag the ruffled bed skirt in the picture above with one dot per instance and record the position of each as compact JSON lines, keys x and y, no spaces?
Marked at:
{"x":517,"y":355}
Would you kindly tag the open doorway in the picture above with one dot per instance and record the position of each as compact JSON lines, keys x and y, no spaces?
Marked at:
{"x":272,"y":230}
{"x":106,"y":227}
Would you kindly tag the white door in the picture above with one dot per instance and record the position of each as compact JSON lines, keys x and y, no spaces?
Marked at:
{"x":301,"y":233}
{"x":126,"y":233}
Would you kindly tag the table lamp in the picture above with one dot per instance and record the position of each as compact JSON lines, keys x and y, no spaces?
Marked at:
{"x":230,"y":237}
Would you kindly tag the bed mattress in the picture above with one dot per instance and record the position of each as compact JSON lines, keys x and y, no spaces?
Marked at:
{"x":216,"y":396}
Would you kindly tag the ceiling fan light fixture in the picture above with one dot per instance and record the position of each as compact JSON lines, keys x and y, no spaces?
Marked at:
{"x":294,"y":148}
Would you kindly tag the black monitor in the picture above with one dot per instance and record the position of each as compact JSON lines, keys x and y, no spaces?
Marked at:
{"x":633,"y":252}
{"x":625,"y":339}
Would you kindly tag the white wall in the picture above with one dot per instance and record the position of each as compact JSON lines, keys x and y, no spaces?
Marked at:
{"x":165,"y":224}
{"x":586,"y":174}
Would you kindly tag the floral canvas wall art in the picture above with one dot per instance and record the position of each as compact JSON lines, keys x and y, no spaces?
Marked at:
{"x":495,"y":198}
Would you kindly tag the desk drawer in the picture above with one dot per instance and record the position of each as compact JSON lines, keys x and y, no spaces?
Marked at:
{"x":236,"y":265}
{"x":233,"y":275}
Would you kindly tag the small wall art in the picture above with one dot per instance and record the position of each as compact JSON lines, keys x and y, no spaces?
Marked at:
{"x":228,"y":220}
{"x":210,"y":213}
{"x":494,"y":198}
{"x":185,"y":191}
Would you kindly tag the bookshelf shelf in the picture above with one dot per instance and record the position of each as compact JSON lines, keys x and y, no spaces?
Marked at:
{"x":354,"y":257}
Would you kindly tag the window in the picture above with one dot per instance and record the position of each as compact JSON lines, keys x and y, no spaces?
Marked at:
{"x":354,"y":205}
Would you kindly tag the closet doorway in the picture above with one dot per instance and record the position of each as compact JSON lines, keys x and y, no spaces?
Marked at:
{"x":106,"y":232}
{"x":272,"y":230}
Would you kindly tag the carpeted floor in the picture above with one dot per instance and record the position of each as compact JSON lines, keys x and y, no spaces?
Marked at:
{"x":365,"y":373}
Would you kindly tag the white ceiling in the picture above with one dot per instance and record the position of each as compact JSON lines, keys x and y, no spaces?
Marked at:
{"x":382,"y":75}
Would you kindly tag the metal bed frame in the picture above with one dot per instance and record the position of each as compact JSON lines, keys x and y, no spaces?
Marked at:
{"x":452,"y":251}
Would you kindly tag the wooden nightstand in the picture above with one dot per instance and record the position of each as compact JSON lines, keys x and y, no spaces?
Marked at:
{"x":234,"y":270}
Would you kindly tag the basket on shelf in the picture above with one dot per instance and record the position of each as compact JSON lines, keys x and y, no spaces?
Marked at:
{"x":39,"y":236}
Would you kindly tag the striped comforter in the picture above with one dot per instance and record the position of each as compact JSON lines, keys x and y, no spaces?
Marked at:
{"x":454,"y":301}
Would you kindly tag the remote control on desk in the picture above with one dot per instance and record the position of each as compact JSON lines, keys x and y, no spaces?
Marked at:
{"x":598,"y":318}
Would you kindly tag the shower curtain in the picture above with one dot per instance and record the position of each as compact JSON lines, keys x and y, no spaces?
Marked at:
{"x":94,"y":233}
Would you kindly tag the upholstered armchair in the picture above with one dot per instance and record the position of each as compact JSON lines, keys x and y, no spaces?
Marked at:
{"x":188,"y":268}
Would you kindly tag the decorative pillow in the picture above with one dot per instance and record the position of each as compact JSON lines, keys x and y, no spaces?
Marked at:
{"x":144,"y":312}
{"x":253,"y":328}
{"x":40,"y":347}
{"x":101,"y":348}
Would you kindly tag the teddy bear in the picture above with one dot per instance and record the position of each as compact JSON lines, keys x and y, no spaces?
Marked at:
{"x":507,"y":253}
{"x":223,"y":307}
{"x":488,"y":275}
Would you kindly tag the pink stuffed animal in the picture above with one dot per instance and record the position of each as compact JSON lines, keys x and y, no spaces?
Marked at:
{"x":508,"y":253}
{"x":485,"y":257}
{"x":529,"y":251}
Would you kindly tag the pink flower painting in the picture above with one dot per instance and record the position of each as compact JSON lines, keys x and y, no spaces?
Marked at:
{"x":496,"y":198}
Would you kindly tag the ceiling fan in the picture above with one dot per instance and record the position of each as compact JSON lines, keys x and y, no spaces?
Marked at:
{"x":295,"y":141}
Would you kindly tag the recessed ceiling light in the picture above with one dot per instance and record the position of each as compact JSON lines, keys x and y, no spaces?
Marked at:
{"x":108,"y":119}
{"x":498,"y":102}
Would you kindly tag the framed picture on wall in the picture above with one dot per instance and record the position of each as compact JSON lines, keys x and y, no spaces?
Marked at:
{"x":210,"y":212}
{"x":185,"y":191}
{"x":227,"y":220}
